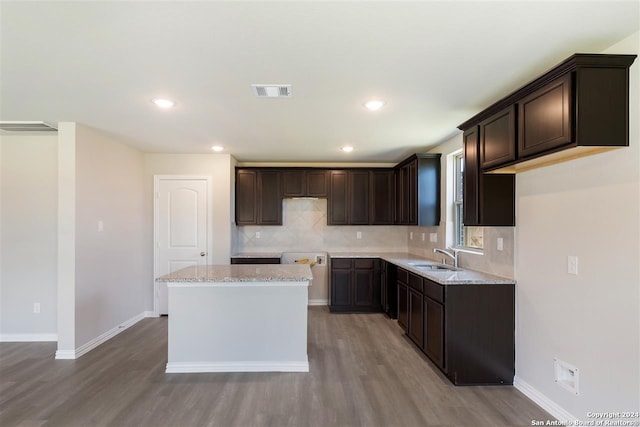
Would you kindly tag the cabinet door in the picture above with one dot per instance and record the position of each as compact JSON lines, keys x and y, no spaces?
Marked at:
{"x":434,"y":331}
{"x":498,"y":139}
{"x":270,"y":200}
{"x":340,"y":288}
{"x":317,"y":183}
{"x":363,"y":287}
{"x":544,"y":118}
{"x":398,"y":178}
{"x":411,"y":196}
{"x":337,"y":198}
{"x":384,"y":299}
{"x":416,"y":312}
{"x":470,"y":179}
{"x":403,"y":305}
{"x":246,"y":197}
{"x":382,"y":196}
{"x":358,"y":195}
{"x":293,"y":183}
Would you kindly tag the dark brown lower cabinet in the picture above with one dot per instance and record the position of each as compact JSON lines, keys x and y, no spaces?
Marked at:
{"x":403,"y":305}
{"x":433,"y":344}
{"x":355,"y":285}
{"x":466,"y":330}
{"x":416,"y":313}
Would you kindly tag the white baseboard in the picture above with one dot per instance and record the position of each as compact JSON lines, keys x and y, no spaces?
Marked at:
{"x":150,"y":314}
{"x":318,"y":302}
{"x":543,"y":401}
{"x":193,"y":367}
{"x":85,"y":348}
{"x":28,"y":337}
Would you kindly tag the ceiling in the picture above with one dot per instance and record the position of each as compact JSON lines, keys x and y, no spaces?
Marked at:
{"x":434,"y":63}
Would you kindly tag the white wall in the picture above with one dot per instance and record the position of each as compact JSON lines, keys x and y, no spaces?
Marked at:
{"x":220,"y":168}
{"x":589,"y":208}
{"x":112,"y":266}
{"x":28,"y":237}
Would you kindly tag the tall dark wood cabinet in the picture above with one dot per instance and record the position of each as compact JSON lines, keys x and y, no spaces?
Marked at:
{"x":418,"y":190}
{"x":355,"y":285}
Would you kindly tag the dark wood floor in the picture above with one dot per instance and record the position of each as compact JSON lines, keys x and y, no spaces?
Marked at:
{"x":363,"y":373}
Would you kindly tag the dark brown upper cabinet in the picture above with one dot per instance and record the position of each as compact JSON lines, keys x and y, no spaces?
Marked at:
{"x":545,"y":116}
{"x":498,"y":138}
{"x":489,"y":199}
{"x":348,"y":197}
{"x":382,"y":197}
{"x":579,"y":107}
{"x":246,"y":197}
{"x":258,"y":197}
{"x":418,"y":190}
{"x":304,"y":183}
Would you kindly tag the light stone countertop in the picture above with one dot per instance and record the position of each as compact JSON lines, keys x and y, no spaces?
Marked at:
{"x":444,"y":277}
{"x":240,"y":273}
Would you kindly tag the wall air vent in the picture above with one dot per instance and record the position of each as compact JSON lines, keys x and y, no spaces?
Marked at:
{"x":23,"y":127}
{"x":271,"y":91}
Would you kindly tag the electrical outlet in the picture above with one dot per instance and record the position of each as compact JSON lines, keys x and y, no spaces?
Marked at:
{"x":257,"y":234}
{"x":572,"y":264}
{"x":358,"y":235}
{"x":36,"y":307}
{"x":423,"y":237}
{"x":100,"y":226}
{"x":411,"y":235}
{"x":433,"y":237}
{"x":500,"y":244}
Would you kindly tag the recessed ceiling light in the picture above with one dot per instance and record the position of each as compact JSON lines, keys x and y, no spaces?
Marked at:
{"x":347,"y":148}
{"x":217,"y":148}
{"x":374,"y":105}
{"x":164,"y":103}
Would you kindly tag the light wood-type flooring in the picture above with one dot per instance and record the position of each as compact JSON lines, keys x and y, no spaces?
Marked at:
{"x":364,"y":372}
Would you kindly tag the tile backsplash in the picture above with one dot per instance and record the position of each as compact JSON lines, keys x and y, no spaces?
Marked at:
{"x":305,"y":229}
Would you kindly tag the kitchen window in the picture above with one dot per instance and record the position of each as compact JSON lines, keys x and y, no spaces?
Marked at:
{"x":464,"y":237}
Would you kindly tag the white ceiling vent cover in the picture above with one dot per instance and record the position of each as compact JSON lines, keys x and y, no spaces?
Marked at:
{"x":272,"y":91}
{"x":21,"y":127}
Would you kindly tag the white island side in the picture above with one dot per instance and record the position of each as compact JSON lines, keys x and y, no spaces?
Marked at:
{"x":238,"y":318}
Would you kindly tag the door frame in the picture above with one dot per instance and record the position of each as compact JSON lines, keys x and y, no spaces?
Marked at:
{"x":156,"y":225}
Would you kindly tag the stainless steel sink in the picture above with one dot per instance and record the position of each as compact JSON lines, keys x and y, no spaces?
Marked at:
{"x":434,"y":267}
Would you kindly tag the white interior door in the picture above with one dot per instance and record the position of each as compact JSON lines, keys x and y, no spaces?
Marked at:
{"x":182,"y":213}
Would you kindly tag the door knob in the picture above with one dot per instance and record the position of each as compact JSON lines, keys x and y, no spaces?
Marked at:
{"x":202,"y":253}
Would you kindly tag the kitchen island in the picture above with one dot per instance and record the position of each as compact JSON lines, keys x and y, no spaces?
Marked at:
{"x":238,"y":318}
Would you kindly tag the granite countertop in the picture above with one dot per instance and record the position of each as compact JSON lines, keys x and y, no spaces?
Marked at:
{"x":445,"y":277}
{"x":257,"y":255}
{"x":240,"y":273}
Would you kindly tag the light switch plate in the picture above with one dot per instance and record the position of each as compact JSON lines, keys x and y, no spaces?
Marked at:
{"x":423,"y":237}
{"x":572,"y":264}
{"x":500,"y":244}
{"x":433,"y":237}
{"x":411,"y":235}
{"x":358,"y":235}
{"x":257,"y":234}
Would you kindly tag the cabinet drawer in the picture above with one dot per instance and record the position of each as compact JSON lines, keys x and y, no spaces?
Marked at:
{"x":415,"y":282}
{"x":433,"y":290}
{"x":403,"y":276}
{"x":364,"y":263}
{"x":340,"y":263}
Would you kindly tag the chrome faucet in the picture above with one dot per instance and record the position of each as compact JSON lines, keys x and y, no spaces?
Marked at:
{"x":453,"y":255}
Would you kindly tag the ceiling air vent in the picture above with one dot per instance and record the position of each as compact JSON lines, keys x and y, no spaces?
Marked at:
{"x":272,"y":91}
{"x":22,"y":127}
